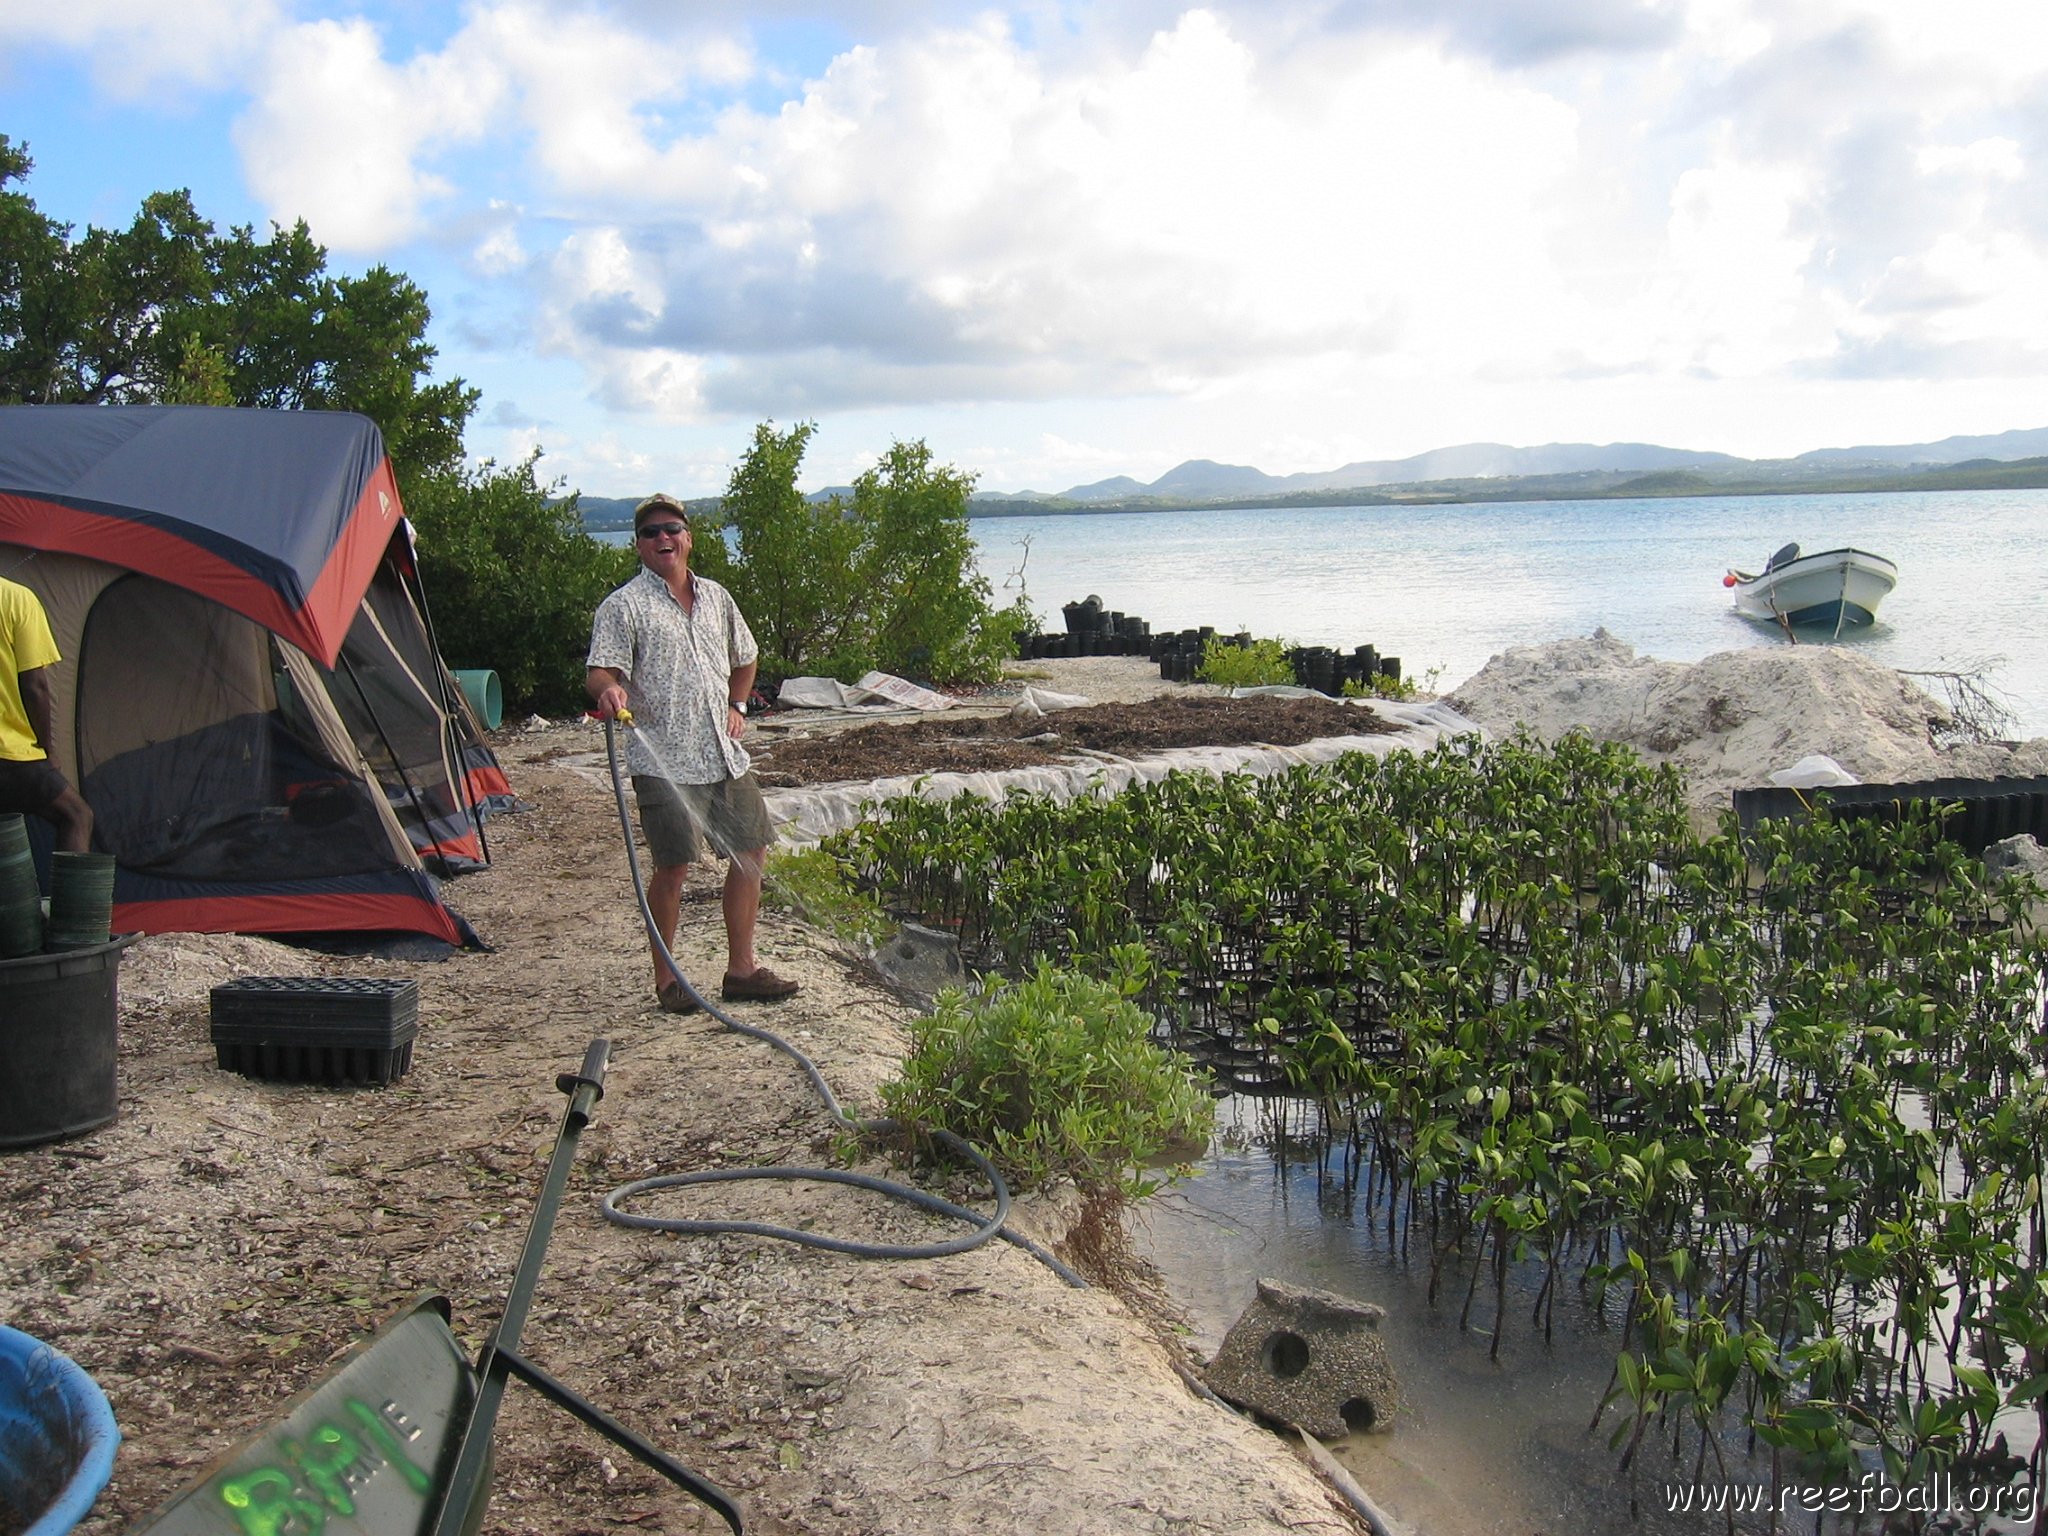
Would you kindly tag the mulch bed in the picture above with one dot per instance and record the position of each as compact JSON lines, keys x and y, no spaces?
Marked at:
{"x":982,"y":744}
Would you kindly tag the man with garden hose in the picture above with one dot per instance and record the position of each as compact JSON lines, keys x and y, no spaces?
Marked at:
{"x":671,"y":649}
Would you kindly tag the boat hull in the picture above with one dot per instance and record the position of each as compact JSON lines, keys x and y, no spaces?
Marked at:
{"x":1838,"y":588}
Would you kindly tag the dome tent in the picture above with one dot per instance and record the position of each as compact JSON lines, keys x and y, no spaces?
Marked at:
{"x":250,"y":698}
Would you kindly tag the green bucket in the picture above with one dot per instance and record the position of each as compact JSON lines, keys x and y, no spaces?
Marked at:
{"x":81,"y":900}
{"x":21,"y":910}
{"x":481,"y":688}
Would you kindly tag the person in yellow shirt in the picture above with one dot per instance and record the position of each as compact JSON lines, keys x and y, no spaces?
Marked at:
{"x":28,"y":782}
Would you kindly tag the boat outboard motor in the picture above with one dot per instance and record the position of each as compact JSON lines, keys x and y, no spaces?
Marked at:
{"x":1784,"y":556}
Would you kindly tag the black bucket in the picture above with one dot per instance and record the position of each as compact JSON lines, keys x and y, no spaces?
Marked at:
{"x":58,"y":1027}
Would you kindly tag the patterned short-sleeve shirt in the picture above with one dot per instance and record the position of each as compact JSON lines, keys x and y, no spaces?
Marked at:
{"x":678,"y":668}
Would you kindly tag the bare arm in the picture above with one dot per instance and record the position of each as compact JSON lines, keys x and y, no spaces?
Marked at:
{"x":607,"y":689}
{"x":37,"y":700}
{"x":737,"y":689}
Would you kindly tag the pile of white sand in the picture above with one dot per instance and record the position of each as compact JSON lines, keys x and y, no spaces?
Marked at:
{"x":169,"y":970}
{"x":1732,"y":720}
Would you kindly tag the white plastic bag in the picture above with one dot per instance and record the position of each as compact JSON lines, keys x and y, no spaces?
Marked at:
{"x":1815,"y":772}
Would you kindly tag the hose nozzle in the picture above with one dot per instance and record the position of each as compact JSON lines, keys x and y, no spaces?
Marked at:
{"x":625,"y":718}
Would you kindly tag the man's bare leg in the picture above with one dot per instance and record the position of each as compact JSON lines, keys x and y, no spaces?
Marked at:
{"x":73,"y":819}
{"x":742,"y":902}
{"x":665,"y":901}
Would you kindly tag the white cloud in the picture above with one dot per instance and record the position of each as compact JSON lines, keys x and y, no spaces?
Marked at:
{"x":1994,"y":159}
{"x":355,"y":141}
{"x":1329,"y":223}
{"x":138,"y":47}
{"x":948,"y":212}
{"x":590,"y":90}
{"x":498,"y":251}
{"x":336,"y":135}
{"x":599,"y":274}
{"x":1731,"y":296}
{"x":657,"y":381}
{"x":600,"y":268}
{"x":1983,"y":298}
{"x":1981,"y":47}
{"x":1148,"y":223}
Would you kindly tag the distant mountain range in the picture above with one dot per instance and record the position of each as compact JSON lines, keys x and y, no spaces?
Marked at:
{"x":1497,"y":472}
{"x":1206,"y":480}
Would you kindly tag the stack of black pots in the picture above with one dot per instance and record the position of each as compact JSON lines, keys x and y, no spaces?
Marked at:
{"x":1327,"y":671}
{"x":1092,"y":630}
{"x":1316,"y":666}
{"x":1180,"y":655}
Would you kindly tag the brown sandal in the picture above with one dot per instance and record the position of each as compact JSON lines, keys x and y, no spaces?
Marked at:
{"x":762,"y":986}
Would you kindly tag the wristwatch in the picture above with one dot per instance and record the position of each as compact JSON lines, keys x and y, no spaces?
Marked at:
{"x":738,"y":704}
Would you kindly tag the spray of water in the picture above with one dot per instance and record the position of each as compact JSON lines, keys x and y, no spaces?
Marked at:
{"x":697,"y":801}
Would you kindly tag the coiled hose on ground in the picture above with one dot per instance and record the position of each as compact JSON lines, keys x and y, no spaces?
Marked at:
{"x":985,"y":1226}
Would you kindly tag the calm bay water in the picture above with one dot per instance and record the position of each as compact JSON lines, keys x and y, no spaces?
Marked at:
{"x":1480,"y":1446}
{"x":1449,"y":587}
{"x":1485,"y":1446}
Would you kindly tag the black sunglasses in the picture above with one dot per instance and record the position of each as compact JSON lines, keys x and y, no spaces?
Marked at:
{"x":656,"y":530}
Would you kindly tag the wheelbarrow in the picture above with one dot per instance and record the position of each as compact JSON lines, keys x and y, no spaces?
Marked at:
{"x":398,"y":1437}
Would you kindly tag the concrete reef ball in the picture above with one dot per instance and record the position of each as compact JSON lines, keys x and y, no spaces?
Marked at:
{"x":1311,"y":1359}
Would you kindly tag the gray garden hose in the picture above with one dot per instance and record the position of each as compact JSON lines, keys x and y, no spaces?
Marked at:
{"x":985,"y":1226}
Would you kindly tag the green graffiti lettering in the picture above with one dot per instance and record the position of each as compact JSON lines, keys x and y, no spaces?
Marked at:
{"x":325,"y":1455}
{"x":381,"y":1436}
{"x":266,"y":1502}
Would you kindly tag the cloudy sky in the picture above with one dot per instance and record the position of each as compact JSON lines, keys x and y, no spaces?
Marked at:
{"x":1066,"y":240}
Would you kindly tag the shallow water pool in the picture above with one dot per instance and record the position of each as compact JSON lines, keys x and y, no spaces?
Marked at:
{"x":1481,"y":1446}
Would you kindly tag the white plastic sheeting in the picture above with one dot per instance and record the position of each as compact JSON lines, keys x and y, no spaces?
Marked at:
{"x":1038,"y":702}
{"x":805,"y":816}
{"x":901,"y":691}
{"x":875,"y":690}
{"x":820,"y":693}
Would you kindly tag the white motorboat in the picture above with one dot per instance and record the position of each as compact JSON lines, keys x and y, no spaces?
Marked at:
{"x":1839,"y":588}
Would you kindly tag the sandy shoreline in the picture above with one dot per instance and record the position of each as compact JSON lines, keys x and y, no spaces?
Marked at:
{"x":210,"y":1252}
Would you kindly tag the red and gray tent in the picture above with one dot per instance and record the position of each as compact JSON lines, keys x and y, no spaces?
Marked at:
{"x":250,"y":698}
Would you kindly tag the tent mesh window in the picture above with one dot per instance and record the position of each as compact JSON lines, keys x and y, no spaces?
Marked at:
{"x":198,"y":755}
{"x":389,"y":690}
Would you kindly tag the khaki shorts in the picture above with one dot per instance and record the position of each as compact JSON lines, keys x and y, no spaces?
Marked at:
{"x":688,"y":823}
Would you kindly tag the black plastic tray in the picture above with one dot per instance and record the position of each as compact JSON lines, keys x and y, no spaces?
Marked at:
{"x":316,"y":1029}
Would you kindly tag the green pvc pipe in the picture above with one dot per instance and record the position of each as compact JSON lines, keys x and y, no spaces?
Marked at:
{"x":481,"y":688}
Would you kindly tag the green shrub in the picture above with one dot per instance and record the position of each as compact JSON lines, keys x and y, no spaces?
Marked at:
{"x":512,"y":580}
{"x":1055,"y":1076}
{"x":1257,"y":665}
{"x":1378,"y":687}
{"x":884,"y":578}
{"x":813,"y":884}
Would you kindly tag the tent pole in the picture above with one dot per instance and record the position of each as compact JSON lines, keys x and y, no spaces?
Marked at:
{"x":476,"y":816}
{"x":412,"y":792}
